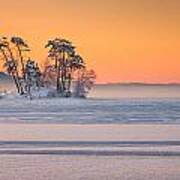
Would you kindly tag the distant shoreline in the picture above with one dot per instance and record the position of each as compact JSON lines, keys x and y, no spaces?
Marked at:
{"x":137,"y":84}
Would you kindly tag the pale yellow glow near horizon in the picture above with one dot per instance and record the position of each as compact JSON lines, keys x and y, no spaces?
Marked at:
{"x":123,"y":40}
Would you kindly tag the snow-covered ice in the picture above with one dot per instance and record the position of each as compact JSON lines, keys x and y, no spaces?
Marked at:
{"x":72,"y":110}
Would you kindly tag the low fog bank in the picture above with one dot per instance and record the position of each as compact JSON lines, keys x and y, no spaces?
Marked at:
{"x":124,"y":90}
{"x":136,"y":90}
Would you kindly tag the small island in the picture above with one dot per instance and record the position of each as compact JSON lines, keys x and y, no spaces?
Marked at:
{"x":65,"y":73}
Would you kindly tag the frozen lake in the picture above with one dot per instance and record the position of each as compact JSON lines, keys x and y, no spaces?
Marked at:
{"x":116,"y":133}
{"x":105,"y":104}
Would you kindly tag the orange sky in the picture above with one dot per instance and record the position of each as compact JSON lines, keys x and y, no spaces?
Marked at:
{"x":123,"y":40}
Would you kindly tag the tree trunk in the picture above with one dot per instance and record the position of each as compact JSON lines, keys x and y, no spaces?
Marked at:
{"x":58,"y":77}
{"x":63,"y":73}
{"x":22,"y":62}
{"x":16,"y":83}
{"x":69,"y":80}
{"x":56,"y":62}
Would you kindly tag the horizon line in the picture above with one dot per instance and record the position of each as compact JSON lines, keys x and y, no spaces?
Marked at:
{"x":137,"y":83}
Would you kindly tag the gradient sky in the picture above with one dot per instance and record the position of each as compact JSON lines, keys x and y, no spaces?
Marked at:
{"x":123,"y":40}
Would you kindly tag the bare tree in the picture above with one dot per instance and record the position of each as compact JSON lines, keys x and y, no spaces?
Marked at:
{"x":85,"y":81}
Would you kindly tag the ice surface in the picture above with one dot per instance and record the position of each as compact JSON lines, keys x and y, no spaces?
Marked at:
{"x":72,"y":110}
{"x":101,"y":137}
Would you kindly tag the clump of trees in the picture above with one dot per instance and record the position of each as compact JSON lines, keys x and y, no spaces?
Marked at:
{"x":13,"y":52}
{"x":65,"y":70}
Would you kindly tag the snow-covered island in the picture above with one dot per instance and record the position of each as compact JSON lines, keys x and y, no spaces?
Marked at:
{"x":64,"y":73}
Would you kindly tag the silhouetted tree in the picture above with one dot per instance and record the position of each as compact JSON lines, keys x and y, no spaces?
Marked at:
{"x":69,"y":68}
{"x":21,"y":46}
{"x":61,"y":50}
{"x":10,"y":63}
{"x":67,"y":63}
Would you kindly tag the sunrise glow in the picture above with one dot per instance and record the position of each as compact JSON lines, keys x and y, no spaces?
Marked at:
{"x":126,"y":41}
